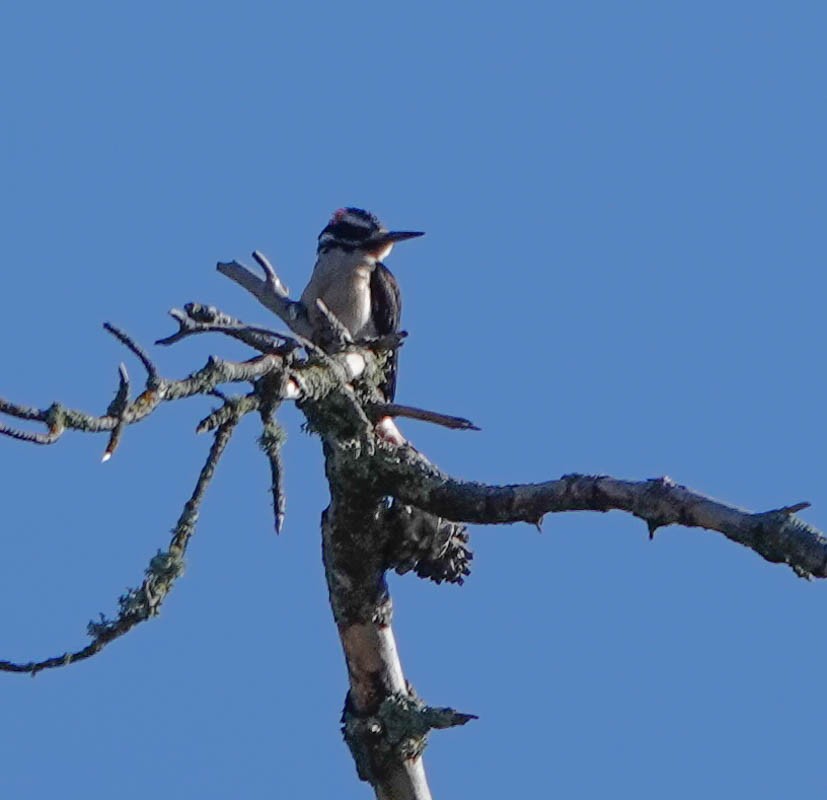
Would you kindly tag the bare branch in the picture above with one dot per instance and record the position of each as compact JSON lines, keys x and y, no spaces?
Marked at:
{"x":22,"y":412}
{"x":315,"y":378}
{"x":293,"y":314}
{"x":46,"y":415}
{"x":272,"y":280}
{"x":270,"y":391}
{"x":363,"y":533}
{"x":117,"y":408}
{"x":197,"y":318}
{"x":138,"y":605}
{"x":232,"y":408}
{"x":778,"y":536}
{"x":378,"y":410}
{"x":204,"y":381}
{"x":793,"y":509}
{"x":29,"y":436}
{"x":127,"y":341}
{"x":271,"y":440}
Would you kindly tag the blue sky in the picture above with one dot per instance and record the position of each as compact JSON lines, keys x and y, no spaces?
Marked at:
{"x":623,"y":274}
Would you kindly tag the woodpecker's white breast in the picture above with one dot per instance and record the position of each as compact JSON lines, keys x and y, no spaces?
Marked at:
{"x":342,"y":281}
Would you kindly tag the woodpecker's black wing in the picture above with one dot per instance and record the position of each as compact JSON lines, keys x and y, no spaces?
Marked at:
{"x":386,"y":311}
{"x":386,"y":302}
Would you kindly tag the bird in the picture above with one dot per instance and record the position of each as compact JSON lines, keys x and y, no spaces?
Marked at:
{"x":351,"y":279}
{"x":362,"y":293}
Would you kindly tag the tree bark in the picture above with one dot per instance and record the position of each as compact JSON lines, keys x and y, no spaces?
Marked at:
{"x":390,"y":508}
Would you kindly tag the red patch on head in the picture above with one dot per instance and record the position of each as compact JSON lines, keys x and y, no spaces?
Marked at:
{"x":338,"y":214}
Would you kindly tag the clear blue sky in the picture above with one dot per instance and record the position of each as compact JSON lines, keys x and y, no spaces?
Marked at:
{"x":623,"y":273}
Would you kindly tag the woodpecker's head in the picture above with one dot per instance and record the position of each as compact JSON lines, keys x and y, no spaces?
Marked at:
{"x":352,"y":229}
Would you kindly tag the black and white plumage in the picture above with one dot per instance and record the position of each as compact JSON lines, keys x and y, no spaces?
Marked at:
{"x":351,"y":280}
{"x":386,"y":315}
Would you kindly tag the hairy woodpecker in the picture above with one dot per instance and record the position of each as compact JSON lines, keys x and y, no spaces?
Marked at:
{"x":351,"y":280}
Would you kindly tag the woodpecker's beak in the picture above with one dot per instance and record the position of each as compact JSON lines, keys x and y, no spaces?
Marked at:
{"x":400,"y":236}
{"x":381,"y":244}
{"x":391,"y":237}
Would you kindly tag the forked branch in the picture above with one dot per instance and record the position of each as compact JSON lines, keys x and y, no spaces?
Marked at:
{"x":363,"y":533}
{"x":137,"y":605}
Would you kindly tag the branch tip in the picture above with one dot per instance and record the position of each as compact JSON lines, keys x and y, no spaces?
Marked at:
{"x":271,"y":439}
{"x":136,"y":349}
{"x":117,"y":408}
{"x":272,"y":280}
{"x":379,"y":410}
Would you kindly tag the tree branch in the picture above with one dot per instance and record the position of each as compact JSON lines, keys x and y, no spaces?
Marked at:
{"x":121,"y":412}
{"x":165,"y":567}
{"x":364,"y":533}
{"x":274,"y":284}
{"x":117,"y":408}
{"x":271,"y":440}
{"x":378,"y":410}
{"x":128,"y":342}
{"x":196,"y":318}
{"x":270,"y":292}
{"x":777,"y":535}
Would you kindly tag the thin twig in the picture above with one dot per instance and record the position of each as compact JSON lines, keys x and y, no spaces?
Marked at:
{"x":22,"y":412}
{"x":378,"y":410}
{"x":271,"y":440}
{"x":236,"y":406}
{"x":151,"y":370}
{"x":272,"y":280}
{"x":52,"y":417}
{"x":203,"y":381}
{"x":197,"y":318}
{"x":31,"y":437}
{"x":117,"y":408}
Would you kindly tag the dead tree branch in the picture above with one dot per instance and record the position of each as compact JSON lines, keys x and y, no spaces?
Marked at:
{"x":270,"y":292}
{"x":151,"y":370}
{"x":117,"y":408}
{"x":776,"y":535}
{"x":165,"y":567}
{"x":196,"y":318}
{"x":378,"y":410}
{"x":390,"y":507}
